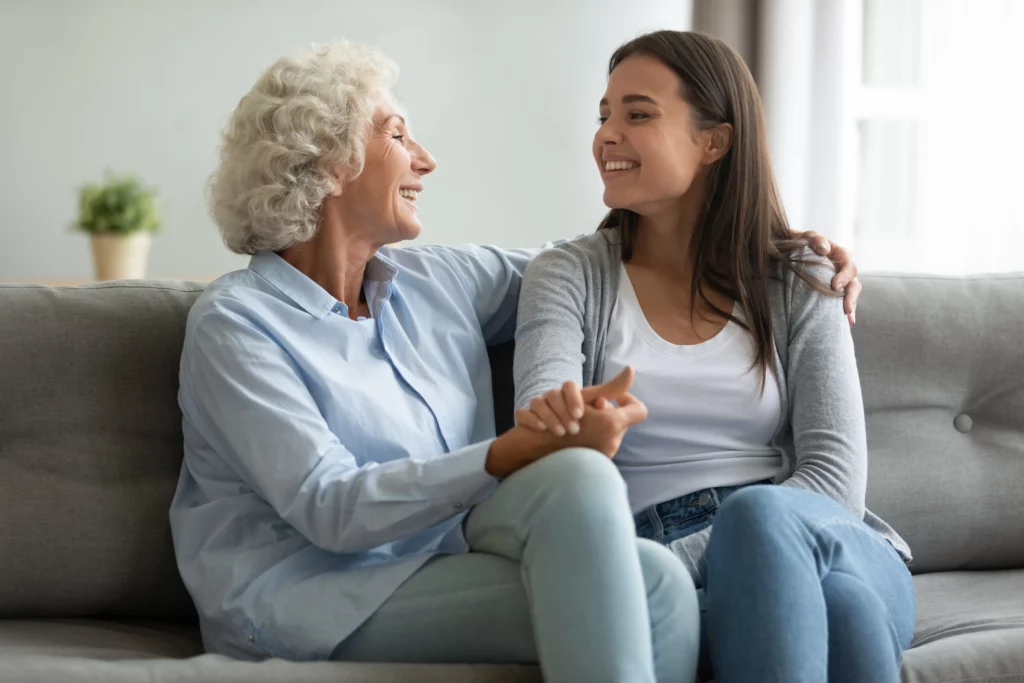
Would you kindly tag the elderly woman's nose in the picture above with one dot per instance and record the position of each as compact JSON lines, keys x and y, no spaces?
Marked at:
{"x":423,"y":162}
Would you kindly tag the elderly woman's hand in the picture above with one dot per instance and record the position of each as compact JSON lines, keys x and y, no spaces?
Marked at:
{"x":560,"y":410}
{"x":847,"y":275}
{"x":601,"y":428}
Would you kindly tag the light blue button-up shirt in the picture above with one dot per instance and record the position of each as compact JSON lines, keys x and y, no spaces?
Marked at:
{"x":326,"y":459}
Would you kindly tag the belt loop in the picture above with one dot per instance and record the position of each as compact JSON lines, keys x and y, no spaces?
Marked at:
{"x":655,"y":518}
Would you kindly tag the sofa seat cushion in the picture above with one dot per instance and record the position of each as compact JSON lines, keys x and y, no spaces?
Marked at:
{"x":83,"y":650}
{"x":970,"y":628}
{"x":97,"y":639}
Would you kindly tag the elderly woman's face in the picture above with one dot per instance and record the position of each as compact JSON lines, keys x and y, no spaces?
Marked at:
{"x":383,"y":197}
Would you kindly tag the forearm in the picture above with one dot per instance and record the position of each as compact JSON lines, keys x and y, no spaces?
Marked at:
{"x":347,"y":510}
{"x":549,"y":339}
{"x":520,"y":446}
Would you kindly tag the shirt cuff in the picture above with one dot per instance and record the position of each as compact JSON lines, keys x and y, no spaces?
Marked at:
{"x":462,"y":475}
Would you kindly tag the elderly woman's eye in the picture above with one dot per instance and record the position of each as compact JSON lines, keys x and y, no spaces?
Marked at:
{"x":398,"y":137}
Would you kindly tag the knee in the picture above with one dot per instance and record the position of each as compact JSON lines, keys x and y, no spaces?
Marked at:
{"x":750,"y":519}
{"x":577,"y":483}
{"x":576,"y":469}
{"x":753,"y":509}
{"x":846,"y":596}
{"x":665,"y":576}
{"x":673,"y":607}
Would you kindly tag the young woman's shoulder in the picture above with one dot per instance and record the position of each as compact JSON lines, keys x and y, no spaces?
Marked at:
{"x":579,"y":257}
{"x":806,"y":288}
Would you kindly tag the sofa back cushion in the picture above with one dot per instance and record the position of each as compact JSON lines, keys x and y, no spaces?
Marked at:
{"x":90,"y":449}
{"x":942,"y":370}
{"x":90,"y":434}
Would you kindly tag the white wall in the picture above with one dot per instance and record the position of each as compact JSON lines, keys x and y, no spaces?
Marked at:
{"x":504,"y":94}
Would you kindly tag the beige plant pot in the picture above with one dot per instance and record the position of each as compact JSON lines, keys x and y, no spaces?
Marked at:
{"x":121,"y":257}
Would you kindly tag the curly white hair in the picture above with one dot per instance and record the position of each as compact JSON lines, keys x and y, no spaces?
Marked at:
{"x":306,"y":118}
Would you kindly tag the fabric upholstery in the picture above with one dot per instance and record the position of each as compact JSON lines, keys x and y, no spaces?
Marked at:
{"x":90,"y":448}
{"x":942,"y":371}
{"x":970,"y":627}
{"x":96,"y":651}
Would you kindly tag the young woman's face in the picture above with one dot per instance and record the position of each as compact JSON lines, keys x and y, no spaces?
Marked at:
{"x":646,"y":148}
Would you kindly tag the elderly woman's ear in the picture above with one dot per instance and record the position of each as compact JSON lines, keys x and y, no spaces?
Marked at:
{"x":339,"y":181}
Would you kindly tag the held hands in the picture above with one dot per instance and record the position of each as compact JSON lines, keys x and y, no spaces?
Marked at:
{"x":560,"y":411}
{"x":600,"y":426}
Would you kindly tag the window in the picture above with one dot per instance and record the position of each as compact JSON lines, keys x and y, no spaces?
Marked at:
{"x":939,"y":148}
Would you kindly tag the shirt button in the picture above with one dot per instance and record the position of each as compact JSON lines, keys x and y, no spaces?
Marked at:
{"x":704,"y":498}
{"x":963,"y":423}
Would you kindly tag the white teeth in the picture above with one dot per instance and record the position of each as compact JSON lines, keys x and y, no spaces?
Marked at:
{"x":409,"y":194}
{"x":620,"y":165}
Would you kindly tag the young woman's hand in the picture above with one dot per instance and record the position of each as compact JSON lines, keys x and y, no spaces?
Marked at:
{"x":602,"y":428}
{"x":847,"y":275}
{"x":560,"y":410}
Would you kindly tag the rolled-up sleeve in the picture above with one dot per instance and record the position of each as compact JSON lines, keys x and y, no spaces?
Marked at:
{"x":247,"y":398}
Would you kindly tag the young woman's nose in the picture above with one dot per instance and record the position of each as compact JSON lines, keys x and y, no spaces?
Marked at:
{"x":608,"y":134}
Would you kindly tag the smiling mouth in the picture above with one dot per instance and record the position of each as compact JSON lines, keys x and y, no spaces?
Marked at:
{"x":408,"y":194}
{"x":620,"y":166}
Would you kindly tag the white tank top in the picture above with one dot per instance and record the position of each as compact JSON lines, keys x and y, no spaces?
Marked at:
{"x":708,"y":423}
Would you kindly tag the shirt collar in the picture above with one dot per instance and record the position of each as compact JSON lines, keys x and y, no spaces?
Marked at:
{"x":310,"y":296}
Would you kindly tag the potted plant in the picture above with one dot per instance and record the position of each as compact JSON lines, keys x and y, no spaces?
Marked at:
{"x":120,"y":216}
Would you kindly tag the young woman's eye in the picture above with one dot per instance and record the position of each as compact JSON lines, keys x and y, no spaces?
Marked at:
{"x":601,"y":120}
{"x":638,"y":116}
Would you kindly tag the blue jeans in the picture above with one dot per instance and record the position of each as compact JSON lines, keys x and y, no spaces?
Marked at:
{"x":556,"y":576}
{"x":797,"y":588}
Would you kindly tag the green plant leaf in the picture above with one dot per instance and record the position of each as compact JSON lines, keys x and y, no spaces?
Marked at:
{"x":120,"y":205}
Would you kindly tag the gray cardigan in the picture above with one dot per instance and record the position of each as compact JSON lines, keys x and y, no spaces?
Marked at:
{"x":564,"y":311}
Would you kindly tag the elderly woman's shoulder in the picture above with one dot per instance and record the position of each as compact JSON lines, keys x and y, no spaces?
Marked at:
{"x":227,"y":300}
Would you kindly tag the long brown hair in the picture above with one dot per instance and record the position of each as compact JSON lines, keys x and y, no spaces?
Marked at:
{"x":742,"y":239}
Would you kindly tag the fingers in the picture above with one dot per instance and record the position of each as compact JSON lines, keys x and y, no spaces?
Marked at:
{"x":612,"y":389}
{"x":850,"y":300}
{"x":539,"y":407}
{"x":818,"y":243}
{"x":847,"y":268}
{"x":556,"y":401}
{"x":573,"y":396}
{"x":526,"y":418}
{"x":631,"y":409}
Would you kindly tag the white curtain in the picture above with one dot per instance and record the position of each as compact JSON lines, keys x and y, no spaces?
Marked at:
{"x":893,"y":124}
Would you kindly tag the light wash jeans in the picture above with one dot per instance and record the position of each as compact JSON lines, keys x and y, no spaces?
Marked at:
{"x":556,"y":576}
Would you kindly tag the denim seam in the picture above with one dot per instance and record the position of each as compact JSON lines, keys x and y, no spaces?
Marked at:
{"x":656,"y":523}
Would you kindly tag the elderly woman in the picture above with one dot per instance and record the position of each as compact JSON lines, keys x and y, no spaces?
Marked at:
{"x":343,"y":494}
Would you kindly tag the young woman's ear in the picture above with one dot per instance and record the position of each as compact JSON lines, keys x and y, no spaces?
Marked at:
{"x":717,"y":141}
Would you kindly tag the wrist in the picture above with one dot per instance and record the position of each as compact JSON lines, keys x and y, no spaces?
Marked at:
{"x":514,"y":450}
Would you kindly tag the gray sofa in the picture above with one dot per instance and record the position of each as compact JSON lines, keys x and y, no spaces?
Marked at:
{"x":90,"y":450}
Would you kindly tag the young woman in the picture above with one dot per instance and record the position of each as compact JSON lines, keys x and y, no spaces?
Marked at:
{"x":744,"y":359}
